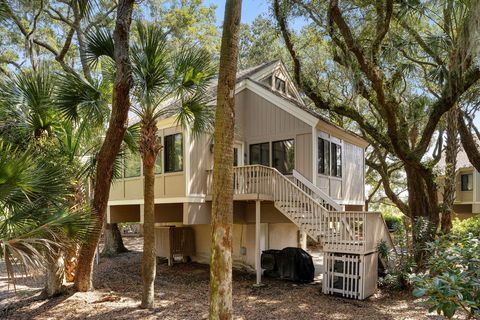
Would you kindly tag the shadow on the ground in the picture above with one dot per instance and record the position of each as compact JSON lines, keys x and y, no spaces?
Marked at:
{"x":181,"y":292}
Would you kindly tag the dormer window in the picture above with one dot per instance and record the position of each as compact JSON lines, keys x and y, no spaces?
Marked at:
{"x":280,"y":85}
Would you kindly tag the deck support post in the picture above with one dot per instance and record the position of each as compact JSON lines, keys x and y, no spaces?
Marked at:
{"x":258,"y":266}
{"x":302,"y":239}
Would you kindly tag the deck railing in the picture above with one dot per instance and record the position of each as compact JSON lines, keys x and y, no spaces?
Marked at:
{"x":315,"y":192}
{"x":341,"y":231}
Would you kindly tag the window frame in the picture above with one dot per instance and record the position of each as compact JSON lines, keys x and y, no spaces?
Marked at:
{"x":273,"y":159}
{"x":166,"y":153}
{"x":283,"y":85}
{"x":464,"y":185}
{"x":326,"y":160}
{"x":336,"y":154}
{"x":124,"y":171}
{"x":260,"y":145}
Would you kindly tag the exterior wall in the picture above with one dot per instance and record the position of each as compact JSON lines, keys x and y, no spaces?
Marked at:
{"x":463,"y":196}
{"x":350,"y":188}
{"x":353,"y":181}
{"x":125,"y":213}
{"x":167,"y":185}
{"x":201,"y":160}
{"x":259,"y":120}
{"x":273,"y":236}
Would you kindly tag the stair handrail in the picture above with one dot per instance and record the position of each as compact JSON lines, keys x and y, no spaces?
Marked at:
{"x":316,"y":190}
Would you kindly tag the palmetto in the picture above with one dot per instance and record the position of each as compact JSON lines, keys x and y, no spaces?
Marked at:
{"x":167,"y":82}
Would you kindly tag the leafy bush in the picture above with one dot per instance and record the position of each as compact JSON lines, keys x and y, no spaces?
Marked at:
{"x":453,"y":277}
{"x":392,"y":216}
{"x":467,"y":226}
{"x":400,"y":265}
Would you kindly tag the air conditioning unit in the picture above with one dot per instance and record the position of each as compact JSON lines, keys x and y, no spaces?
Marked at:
{"x":350,"y":275}
{"x":172,"y":242}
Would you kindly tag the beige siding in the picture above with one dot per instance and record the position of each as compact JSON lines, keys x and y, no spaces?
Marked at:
{"x":353,"y":173}
{"x":201,"y":160}
{"x":167,"y":185}
{"x":336,"y":191}
{"x":126,"y":213}
{"x":273,"y":236}
{"x":263,"y":121}
{"x":303,"y":155}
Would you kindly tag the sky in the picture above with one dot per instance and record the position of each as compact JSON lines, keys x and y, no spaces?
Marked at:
{"x":250,"y":9}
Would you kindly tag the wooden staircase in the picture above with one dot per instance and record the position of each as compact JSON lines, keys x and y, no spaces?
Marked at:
{"x":349,"y":238}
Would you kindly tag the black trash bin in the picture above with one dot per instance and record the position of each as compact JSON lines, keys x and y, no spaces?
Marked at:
{"x":292,"y":264}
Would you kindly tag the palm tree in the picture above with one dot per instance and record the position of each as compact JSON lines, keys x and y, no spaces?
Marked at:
{"x":222,"y":201}
{"x":63,"y":115}
{"x":167,"y":82}
{"x":36,"y":221}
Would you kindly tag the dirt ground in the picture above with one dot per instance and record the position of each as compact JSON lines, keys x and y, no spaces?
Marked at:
{"x":182,"y":293}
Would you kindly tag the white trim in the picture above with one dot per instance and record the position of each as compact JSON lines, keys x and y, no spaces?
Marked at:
{"x":194,"y":199}
{"x":187,"y":151}
{"x":108,"y":215}
{"x":282,"y":103}
{"x":314,"y":156}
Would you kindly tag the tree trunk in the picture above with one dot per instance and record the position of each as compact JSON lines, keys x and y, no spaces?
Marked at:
{"x":113,"y":242}
{"x":149,"y":148}
{"x":55,"y":280}
{"x":450,"y":171}
{"x":424,"y":210}
{"x":222,"y":202}
{"x":468,"y":142}
{"x":112,"y":142}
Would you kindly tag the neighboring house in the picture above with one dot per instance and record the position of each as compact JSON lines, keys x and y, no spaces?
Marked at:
{"x":293,"y":167}
{"x":467,"y":186}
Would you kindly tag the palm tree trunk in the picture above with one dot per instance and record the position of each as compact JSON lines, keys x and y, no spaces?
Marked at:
{"x":113,"y":242}
{"x":222,"y":202}
{"x":450,"y":165}
{"x":55,"y":282}
{"x":112,"y":142}
{"x":149,"y":148}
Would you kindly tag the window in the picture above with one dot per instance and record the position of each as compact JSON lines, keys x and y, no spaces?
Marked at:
{"x":132,"y":165}
{"x":467,"y":182}
{"x":174,"y":153}
{"x":280,"y":85}
{"x":336,"y":160}
{"x":260,"y":154}
{"x":235,"y":157}
{"x":323,"y":156}
{"x":158,"y":164}
{"x":283,"y":156}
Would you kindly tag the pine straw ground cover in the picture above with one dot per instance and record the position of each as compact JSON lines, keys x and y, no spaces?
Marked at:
{"x":182,"y":293}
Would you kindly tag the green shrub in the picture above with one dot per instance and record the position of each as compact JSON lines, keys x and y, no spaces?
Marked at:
{"x":392,"y":219}
{"x":467,"y":226}
{"x":400,"y":263}
{"x":453,"y":277}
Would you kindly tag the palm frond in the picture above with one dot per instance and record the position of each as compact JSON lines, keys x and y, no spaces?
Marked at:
{"x":149,"y":65}
{"x":76,"y":98}
{"x":99,"y":44}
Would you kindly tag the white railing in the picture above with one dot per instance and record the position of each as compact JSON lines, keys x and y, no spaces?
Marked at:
{"x":315,"y":192}
{"x":348,"y":232}
{"x":292,"y":201}
{"x":353,"y":232}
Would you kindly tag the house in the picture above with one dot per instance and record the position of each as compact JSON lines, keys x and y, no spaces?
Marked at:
{"x":295,"y":174}
{"x":467,"y":186}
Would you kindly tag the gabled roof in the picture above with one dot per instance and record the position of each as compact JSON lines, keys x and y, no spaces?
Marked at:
{"x":258,"y":73}
{"x":462,"y":159}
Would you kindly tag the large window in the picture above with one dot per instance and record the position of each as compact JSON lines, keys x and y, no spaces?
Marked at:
{"x":260,"y":154}
{"x":323,"y":156}
{"x":133,"y":165}
{"x":467,"y":182}
{"x":336,"y":160}
{"x":283,"y":156}
{"x":174,"y":153}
